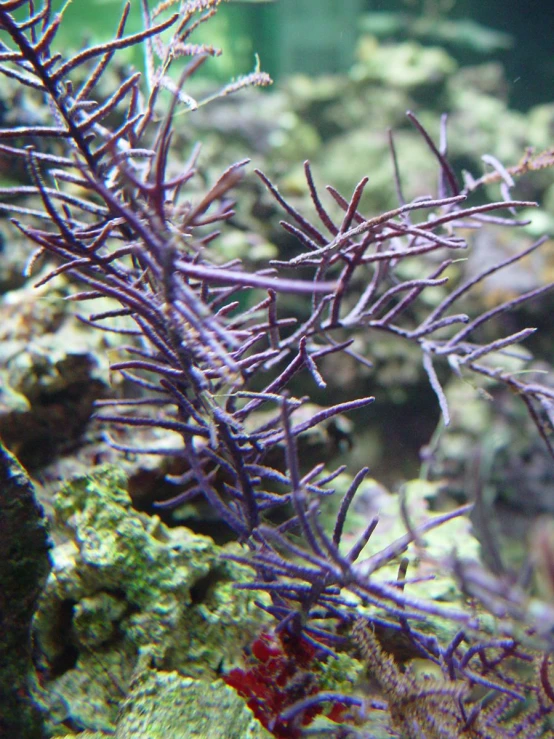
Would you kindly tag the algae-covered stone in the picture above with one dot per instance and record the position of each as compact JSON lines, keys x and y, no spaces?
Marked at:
{"x":164,"y":704}
{"x":407,"y":64}
{"x":340,"y":674}
{"x":86,"y":735}
{"x":124,"y":591}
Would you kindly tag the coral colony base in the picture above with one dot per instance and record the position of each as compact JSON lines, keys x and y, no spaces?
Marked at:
{"x":352,"y":635}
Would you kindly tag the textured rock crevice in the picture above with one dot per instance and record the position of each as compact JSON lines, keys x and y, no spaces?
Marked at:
{"x":24,"y":567}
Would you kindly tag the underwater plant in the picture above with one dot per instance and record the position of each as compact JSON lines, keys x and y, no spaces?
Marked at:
{"x":212,"y":357}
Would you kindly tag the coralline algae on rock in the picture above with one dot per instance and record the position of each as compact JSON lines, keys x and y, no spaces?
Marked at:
{"x":126,"y":595}
{"x":165,"y":704}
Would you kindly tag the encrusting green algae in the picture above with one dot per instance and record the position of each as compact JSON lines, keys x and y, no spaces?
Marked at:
{"x":128,"y":597}
{"x":165,"y":704}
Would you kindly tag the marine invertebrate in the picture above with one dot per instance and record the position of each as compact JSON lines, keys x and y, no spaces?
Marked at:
{"x":442,"y":705}
{"x":209,"y":348}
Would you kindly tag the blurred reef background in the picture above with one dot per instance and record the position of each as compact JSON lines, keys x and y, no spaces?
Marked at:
{"x":317,"y":37}
{"x":344,"y":74}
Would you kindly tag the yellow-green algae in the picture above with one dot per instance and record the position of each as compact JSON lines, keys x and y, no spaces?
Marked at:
{"x":162,"y":705}
{"x":126,"y":593}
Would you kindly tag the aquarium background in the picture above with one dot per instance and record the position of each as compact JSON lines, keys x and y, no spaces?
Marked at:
{"x":345,"y":72}
{"x":317,"y":37}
